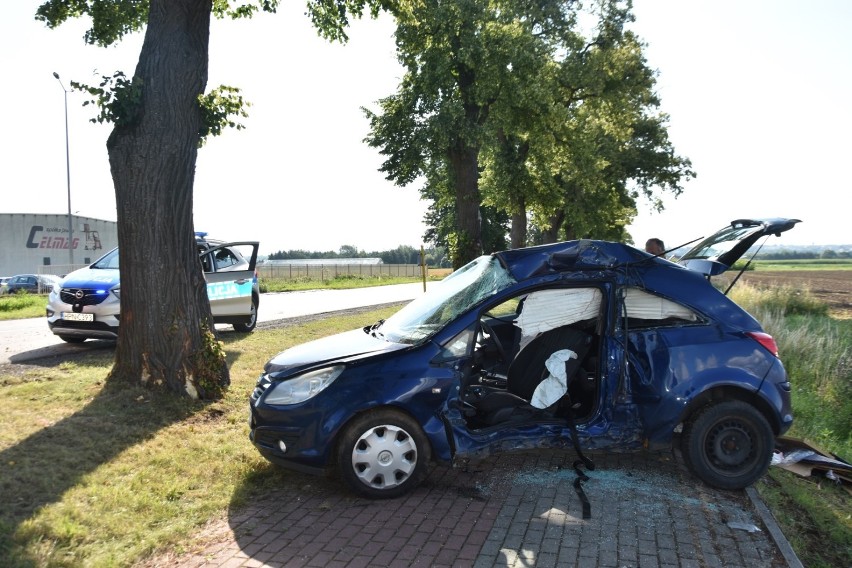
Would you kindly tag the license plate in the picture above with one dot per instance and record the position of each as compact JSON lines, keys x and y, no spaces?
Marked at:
{"x":73,"y":316}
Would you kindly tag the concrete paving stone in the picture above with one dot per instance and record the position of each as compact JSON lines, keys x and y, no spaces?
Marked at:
{"x":483,"y":561}
{"x":550,"y":545}
{"x":545,"y":560}
{"x":512,"y":542}
{"x":491,"y":548}
{"x":607,"y":558}
{"x":533,"y":537}
{"x":686,"y":551}
{"x":647,"y":546}
{"x":518,"y":510}
{"x":418,"y":538}
{"x":628,"y":552}
{"x":667,"y":556}
{"x":666,"y":540}
{"x":587,"y":562}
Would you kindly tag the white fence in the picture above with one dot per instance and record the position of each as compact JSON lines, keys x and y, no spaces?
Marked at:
{"x":331,"y":271}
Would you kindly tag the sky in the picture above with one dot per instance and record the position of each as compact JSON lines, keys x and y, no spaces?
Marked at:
{"x":759,"y":96}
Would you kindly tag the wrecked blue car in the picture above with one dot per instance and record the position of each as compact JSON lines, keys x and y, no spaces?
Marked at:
{"x":591,"y":342}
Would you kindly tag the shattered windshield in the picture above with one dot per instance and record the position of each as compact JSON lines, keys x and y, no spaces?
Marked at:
{"x":448,"y":299}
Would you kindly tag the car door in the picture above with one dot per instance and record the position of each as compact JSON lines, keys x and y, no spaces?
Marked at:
{"x":717,"y":253}
{"x":231,"y":277}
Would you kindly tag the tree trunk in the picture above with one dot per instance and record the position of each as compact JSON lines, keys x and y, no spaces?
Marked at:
{"x":166,"y":335}
{"x":468,"y":246}
{"x":551,"y":234}
{"x":518,"y":232}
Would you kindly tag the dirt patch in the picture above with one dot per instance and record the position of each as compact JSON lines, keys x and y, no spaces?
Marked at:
{"x":834,"y":287}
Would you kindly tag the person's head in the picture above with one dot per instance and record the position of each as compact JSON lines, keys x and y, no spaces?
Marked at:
{"x":655,"y":246}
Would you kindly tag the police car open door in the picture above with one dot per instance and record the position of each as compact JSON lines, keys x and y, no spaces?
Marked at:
{"x":229,"y":269}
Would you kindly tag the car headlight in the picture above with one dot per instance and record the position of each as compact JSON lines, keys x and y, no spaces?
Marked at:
{"x":302,"y":387}
{"x":117,"y":292}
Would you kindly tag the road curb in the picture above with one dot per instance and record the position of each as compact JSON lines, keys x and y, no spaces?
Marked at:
{"x":771,"y":525}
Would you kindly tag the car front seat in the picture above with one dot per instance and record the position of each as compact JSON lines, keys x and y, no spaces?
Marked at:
{"x":525,"y":373}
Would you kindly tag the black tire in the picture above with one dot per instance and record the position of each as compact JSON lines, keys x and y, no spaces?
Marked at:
{"x":72,"y":339}
{"x":249,"y":327}
{"x":383,"y":454}
{"x":728,"y":445}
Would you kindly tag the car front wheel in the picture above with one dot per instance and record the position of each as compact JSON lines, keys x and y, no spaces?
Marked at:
{"x":383,"y":454}
{"x":247,"y":327}
{"x":728,"y":445}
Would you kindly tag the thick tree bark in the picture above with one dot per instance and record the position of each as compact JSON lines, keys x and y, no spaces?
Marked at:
{"x":551,"y":234}
{"x":166,"y":333}
{"x":464,"y":161}
{"x":518,"y":231}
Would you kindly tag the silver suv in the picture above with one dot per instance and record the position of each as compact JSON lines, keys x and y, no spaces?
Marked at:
{"x":86,"y":303}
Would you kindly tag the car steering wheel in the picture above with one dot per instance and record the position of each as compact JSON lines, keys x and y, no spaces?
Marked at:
{"x":492,"y":337}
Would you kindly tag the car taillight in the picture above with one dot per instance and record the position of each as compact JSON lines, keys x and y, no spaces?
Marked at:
{"x":766,"y":340}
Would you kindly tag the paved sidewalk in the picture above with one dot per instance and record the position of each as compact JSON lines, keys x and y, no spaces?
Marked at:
{"x":518,"y":510}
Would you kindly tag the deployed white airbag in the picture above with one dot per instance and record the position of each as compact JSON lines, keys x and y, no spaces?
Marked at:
{"x":555,"y":385}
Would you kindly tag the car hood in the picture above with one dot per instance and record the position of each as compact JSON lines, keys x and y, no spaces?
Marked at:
{"x":337,"y":347}
{"x":99,"y":278}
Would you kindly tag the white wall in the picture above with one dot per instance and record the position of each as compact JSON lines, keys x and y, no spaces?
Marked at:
{"x":38,"y":243}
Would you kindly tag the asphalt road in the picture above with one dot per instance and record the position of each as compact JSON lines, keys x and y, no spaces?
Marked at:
{"x":28,"y":339}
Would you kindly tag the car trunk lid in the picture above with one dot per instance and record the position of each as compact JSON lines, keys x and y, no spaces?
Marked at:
{"x":718,"y":253}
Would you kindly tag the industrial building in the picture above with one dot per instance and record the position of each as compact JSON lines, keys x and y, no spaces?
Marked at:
{"x":34,"y":243}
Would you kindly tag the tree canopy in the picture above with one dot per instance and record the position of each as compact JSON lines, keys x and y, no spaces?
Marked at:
{"x":517,"y":111}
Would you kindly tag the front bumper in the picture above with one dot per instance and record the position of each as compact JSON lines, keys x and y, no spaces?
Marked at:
{"x":104,"y":324}
{"x":288,"y":446}
{"x":290,"y":436}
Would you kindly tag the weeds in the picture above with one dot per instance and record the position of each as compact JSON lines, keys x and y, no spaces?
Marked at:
{"x":16,"y":306}
{"x":813,"y":513}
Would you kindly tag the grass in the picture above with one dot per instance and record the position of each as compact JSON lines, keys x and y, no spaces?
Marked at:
{"x":98,"y":474}
{"x":814,"y":513}
{"x":342,"y":282}
{"x":803,"y":264}
{"x":19,"y":306}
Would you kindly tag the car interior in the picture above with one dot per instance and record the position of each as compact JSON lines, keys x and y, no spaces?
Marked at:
{"x":535,"y":359}
{"x":537,"y":356}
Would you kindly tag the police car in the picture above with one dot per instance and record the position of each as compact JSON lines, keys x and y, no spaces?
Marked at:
{"x":86,"y":303}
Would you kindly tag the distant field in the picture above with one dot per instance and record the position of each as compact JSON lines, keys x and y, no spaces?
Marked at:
{"x":830,"y":284}
{"x":804,"y":264}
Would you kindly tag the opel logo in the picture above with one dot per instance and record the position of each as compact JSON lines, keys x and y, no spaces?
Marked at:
{"x":79,"y":294}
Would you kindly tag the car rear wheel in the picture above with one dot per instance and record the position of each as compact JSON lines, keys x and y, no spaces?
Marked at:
{"x":728,"y":445}
{"x":247,"y":327}
{"x":72,"y":339}
{"x":383,"y":454}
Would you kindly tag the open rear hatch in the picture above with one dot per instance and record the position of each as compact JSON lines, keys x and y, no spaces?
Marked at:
{"x":718,"y":253}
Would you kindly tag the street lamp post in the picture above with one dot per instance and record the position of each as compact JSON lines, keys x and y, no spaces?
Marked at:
{"x":68,"y":177}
